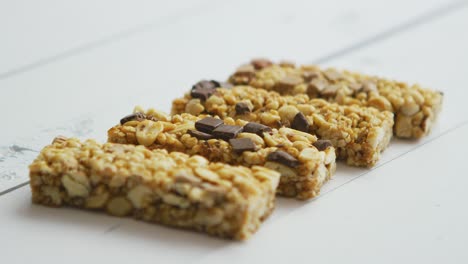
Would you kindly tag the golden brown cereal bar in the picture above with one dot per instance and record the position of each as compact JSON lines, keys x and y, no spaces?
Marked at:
{"x":304,"y":162}
{"x":415,"y":108}
{"x":169,"y":188}
{"x":359,"y":134}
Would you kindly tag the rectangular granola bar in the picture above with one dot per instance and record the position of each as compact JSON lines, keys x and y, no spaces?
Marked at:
{"x":169,"y":188}
{"x":415,"y":108}
{"x":359,"y":134}
{"x":304,"y":162}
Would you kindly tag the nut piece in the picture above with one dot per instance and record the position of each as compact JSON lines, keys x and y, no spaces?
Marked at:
{"x":261,"y":63}
{"x":209,"y":217}
{"x":333,"y":75}
{"x":380,"y":103}
{"x":75,"y":188}
{"x":207,"y":175}
{"x":59,"y":139}
{"x":308,"y":154}
{"x":194,"y":107}
{"x":282,"y":169}
{"x":330,"y":90}
{"x":254,"y":137}
{"x":147,"y":132}
{"x":369,"y":86}
{"x":316,"y":86}
{"x":403,"y":126}
{"x":119,"y":206}
{"x":97,"y":201}
{"x":286,"y":84}
{"x":175,"y":200}
{"x":287,"y":113}
{"x":53,"y":193}
{"x":409,"y":109}
{"x":137,"y":195}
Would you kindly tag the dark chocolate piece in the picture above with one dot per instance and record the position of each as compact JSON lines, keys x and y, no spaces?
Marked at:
{"x":288,"y":83}
{"x":283,"y":158}
{"x":256,"y":128}
{"x":240,"y":145}
{"x":242,"y":108}
{"x":309,"y":75}
{"x":131,"y":117}
{"x":322,"y":144}
{"x":333,"y":75}
{"x":287,"y":64}
{"x":208,"y":124}
{"x":204,"y":84}
{"x":199,"y":135}
{"x":300,"y":123}
{"x":244,"y":74}
{"x":226,"y":132}
{"x":261,"y":63}
{"x":204,"y":89}
{"x":202,"y":94}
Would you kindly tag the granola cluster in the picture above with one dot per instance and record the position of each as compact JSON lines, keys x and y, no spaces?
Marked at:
{"x":171,"y":188}
{"x":415,"y":108}
{"x":359,"y":134}
{"x":304,"y":164}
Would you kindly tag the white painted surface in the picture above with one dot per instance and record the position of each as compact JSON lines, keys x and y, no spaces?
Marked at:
{"x":410,"y":209}
{"x":33,"y":31}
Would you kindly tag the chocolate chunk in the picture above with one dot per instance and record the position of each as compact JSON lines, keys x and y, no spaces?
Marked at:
{"x":242,"y":108}
{"x":202,"y":94}
{"x":261,"y":63}
{"x":288,"y":83}
{"x":256,"y":128}
{"x":208,"y":124}
{"x":131,"y":117}
{"x":240,"y":145}
{"x":316,"y":86}
{"x":322,"y":144}
{"x":300,"y":122}
{"x":244,"y":74}
{"x":283,"y":158}
{"x":333,"y":75}
{"x":287,"y":64}
{"x":200,"y":135}
{"x":226,"y":131}
{"x":309,"y":75}
{"x":205,"y":84}
{"x":330,"y":90}
{"x":204,"y":89}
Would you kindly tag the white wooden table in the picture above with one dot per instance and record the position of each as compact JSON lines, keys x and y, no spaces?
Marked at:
{"x":76,"y":68}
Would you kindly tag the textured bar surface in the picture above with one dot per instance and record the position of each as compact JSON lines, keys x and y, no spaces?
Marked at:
{"x":359,"y":134}
{"x":169,"y":188}
{"x":304,"y":169}
{"x":415,"y":108}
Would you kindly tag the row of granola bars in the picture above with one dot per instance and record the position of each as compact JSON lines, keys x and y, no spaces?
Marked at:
{"x":216,"y":163}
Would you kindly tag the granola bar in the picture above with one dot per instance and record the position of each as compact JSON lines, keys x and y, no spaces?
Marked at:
{"x":358,"y":134}
{"x":304,"y":162}
{"x":415,"y":108}
{"x":156,"y":186}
